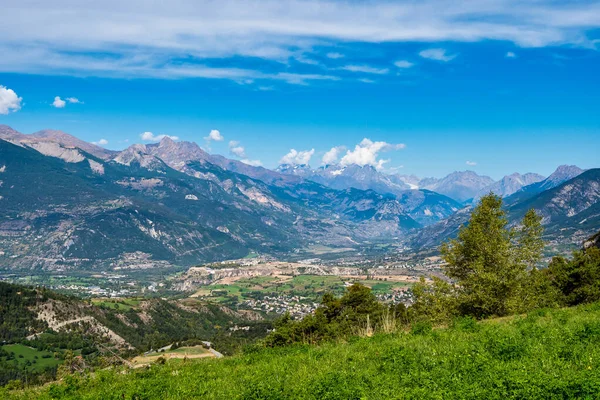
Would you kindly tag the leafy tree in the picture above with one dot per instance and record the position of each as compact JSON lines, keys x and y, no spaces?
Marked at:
{"x":488,"y":262}
{"x":435,"y":303}
{"x":335,"y":318}
{"x":578,"y":279}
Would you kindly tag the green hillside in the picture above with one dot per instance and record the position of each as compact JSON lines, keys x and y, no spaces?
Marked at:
{"x":31,"y":350}
{"x":547,"y":354}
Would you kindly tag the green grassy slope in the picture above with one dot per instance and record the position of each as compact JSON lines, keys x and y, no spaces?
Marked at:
{"x":548,"y":354}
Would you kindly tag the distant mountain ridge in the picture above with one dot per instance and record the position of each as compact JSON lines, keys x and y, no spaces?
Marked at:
{"x":562,"y":174}
{"x":135,"y":210}
{"x":511,"y":184}
{"x":570,"y":211}
{"x":53,"y":136}
{"x":424,"y":206}
{"x":172,"y":202}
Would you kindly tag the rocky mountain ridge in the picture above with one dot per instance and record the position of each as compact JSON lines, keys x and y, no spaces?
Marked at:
{"x":70,"y":204}
{"x":94,"y":213}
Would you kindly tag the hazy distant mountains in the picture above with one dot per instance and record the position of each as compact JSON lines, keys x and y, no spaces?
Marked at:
{"x":424,"y":206}
{"x":570,"y":209}
{"x":463,"y":186}
{"x":64,"y":207}
{"x":562,"y":174}
{"x":66,"y":203}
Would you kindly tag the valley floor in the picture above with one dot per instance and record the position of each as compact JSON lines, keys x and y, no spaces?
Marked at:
{"x":547,"y":354}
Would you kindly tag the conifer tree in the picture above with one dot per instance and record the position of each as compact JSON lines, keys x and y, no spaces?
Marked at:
{"x":489,"y":261}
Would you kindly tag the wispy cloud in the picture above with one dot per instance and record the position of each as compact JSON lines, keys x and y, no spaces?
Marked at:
{"x":101,"y":142}
{"x":254,"y":163}
{"x":236,"y":149}
{"x":403,"y":64}
{"x":9,"y":101}
{"x":471,"y":163}
{"x":366,"y":69}
{"x":140,"y":39}
{"x":334,"y":55}
{"x":510,"y":54}
{"x":437,"y":55}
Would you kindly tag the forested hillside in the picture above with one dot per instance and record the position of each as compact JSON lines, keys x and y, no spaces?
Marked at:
{"x":42,"y":330}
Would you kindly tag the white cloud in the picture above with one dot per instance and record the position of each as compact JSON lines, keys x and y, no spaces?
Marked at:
{"x":394,"y":170}
{"x":150,"y":137}
{"x":366,"y":80}
{"x":101,"y":142}
{"x":510,"y":54}
{"x":437,"y":55}
{"x":295,"y":157}
{"x":9,"y":101}
{"x":139,"y":39}
{"x":214,"y":135}
{"x":403,"y":64}
{"x":58,"y":102}
{"x":367,"y":153}
{"x":365,"y":69}
{"x":471,"y":163}
{"x":332,"y":156}
{"x":335,"y":56}
{"x":236,"y":149}
{"x":254,"y":163}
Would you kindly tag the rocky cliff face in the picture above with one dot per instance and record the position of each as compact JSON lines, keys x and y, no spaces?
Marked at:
{"x":594,"y":241}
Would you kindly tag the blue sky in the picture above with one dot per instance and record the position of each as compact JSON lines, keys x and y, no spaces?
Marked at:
{"x":505,"y":85}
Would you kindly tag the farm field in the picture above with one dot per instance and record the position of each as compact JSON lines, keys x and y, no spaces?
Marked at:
{"x":310,"y":286}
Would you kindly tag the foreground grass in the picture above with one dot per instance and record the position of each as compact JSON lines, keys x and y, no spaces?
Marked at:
{"x":553,"y":354}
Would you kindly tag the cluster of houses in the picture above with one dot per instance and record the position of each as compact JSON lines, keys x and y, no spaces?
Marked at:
{"x":397,"y":296}
{"x":297,"y":306}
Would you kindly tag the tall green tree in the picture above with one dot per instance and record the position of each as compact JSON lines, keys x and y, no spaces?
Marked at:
{"x":489,"y":261}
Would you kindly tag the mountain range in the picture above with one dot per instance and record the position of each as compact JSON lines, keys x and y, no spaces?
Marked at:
{"x":67,"y":204}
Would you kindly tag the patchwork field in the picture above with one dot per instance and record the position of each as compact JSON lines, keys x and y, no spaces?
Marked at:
{"x":310,"y":286}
